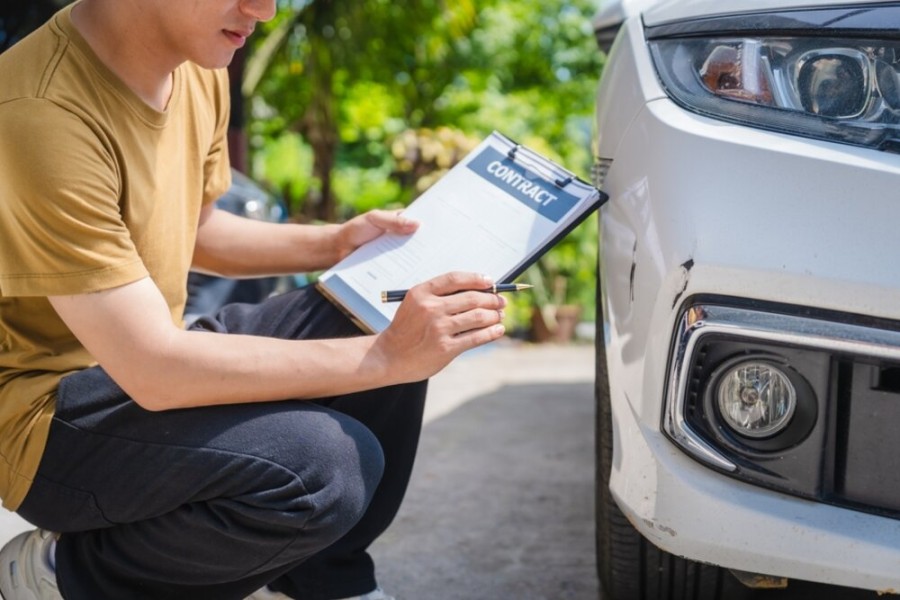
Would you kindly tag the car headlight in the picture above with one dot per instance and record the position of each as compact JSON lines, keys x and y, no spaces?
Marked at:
{"x":844,"y":90}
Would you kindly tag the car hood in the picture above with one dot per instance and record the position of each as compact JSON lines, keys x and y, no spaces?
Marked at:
{"x":675,"y":10}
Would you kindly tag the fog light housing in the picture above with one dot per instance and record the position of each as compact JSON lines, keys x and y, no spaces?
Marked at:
{"x":755,"y":398}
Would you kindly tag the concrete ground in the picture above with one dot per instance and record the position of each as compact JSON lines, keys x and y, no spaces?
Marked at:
{"x":501,"y":500}
{"x":10,"y":526}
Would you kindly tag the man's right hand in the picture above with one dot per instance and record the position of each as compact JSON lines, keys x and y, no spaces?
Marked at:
{"x":437,"y":321}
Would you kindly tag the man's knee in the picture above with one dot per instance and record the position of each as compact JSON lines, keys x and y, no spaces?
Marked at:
{"x":325,"y":476}
{"x":354,"y":469}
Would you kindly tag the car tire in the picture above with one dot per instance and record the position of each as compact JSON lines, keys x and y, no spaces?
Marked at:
{"x":628,"y":565}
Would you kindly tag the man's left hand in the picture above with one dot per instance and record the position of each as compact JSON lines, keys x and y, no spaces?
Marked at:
{"x":368,"y":226}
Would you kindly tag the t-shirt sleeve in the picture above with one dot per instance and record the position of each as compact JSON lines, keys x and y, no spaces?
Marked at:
{"x":61,"y":229}
{"x":217,"y":166}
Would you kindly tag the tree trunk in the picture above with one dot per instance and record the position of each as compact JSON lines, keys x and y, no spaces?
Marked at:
{"x":319,"y":127}
{"x":237,"y":125}
{"x":319,"y":123}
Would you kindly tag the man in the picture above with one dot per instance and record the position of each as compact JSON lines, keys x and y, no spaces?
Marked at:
{"x":266,"y":447}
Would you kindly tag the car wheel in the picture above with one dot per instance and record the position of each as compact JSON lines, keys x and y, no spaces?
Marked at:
{"x":628,"y":565}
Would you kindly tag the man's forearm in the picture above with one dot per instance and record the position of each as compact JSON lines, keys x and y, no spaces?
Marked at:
{"x":234,"y":246}
{"x":130,"y":333}
{"x":204,"y":368}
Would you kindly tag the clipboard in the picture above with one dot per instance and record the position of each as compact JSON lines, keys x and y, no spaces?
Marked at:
{"x":496,"y":212}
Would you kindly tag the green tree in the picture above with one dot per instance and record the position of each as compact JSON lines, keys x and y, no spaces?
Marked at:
{"x":343,"y":76}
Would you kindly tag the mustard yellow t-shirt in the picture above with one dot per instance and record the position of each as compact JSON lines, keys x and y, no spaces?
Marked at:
{"x":97,"y":190}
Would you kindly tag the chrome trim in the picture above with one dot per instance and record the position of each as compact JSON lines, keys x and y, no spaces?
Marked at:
{"x":599,"y":170}
{"x":689,"y":331}
{"x":701,"y":320}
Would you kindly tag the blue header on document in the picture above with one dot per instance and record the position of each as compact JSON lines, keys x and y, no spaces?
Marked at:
{"x":525,"y":186}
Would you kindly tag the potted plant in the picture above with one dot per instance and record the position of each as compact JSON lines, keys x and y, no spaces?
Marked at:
{"x":564,"y":282}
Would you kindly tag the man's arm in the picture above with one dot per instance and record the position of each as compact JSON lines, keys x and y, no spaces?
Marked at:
{"x":130,"y":333}
{"x":234,"y":246}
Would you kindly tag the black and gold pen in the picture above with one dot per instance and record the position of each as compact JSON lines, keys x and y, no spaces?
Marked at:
{"x":398,"y":295}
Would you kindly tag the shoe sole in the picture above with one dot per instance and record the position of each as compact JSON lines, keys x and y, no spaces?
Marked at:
{"x":10,"y":588}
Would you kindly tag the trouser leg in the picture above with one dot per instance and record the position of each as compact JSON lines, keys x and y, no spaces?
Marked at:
{"x":345,"y":569}
{"x":394,"y":416}
{"x":200,"y":503}
{"x":214,"y":502}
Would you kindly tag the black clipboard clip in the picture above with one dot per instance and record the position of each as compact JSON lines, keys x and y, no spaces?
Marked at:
{"x":532,"y":160}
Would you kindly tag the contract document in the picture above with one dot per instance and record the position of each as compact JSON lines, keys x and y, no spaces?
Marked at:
{"x":496,"y":212}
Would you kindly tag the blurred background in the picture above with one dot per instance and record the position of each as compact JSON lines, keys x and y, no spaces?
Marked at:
{"x":341,"y":107}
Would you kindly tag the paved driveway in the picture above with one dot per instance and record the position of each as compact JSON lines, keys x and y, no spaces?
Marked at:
{"x":500,"y":505}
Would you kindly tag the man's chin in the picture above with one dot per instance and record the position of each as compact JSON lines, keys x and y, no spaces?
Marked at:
{"x":215,"y":62}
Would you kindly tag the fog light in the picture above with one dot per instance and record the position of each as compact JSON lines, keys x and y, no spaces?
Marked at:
{"x":756,"y":399}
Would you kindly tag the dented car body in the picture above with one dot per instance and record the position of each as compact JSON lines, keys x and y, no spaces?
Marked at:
{"x":749,"y":343}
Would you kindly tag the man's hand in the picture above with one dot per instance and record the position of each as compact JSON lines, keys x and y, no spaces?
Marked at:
{"x":437,"y":321}
{"x":366,"y":227}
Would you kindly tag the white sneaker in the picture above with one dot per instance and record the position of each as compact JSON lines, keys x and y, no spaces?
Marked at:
{"x":25,"y":571}
{"x":376,"y":594}
{"x":267,"y":594}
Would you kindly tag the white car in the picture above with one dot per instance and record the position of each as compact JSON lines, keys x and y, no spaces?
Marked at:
{"x":749,"y":358}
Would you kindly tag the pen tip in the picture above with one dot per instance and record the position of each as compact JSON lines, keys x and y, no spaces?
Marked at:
{"x":524,"y":286}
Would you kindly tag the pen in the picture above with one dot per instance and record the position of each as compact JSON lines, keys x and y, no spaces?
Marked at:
{"x":398,"y":295}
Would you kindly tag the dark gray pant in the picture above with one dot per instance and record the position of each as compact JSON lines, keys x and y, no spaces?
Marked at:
{"x":213,"y":503}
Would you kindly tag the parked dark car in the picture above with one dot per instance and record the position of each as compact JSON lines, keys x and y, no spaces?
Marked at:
{"x":208,"y":293}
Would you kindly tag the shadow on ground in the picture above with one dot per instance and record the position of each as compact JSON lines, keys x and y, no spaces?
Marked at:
{"x":501,"y":501}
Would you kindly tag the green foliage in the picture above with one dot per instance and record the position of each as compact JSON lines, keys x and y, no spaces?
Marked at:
{"x":365,"y":189}
{"x":281,"y":158}
{"x":384,"y":96}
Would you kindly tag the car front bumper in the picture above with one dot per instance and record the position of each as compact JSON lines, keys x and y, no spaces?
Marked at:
{"x":690,"y":510}
{"x":701,"y":207}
